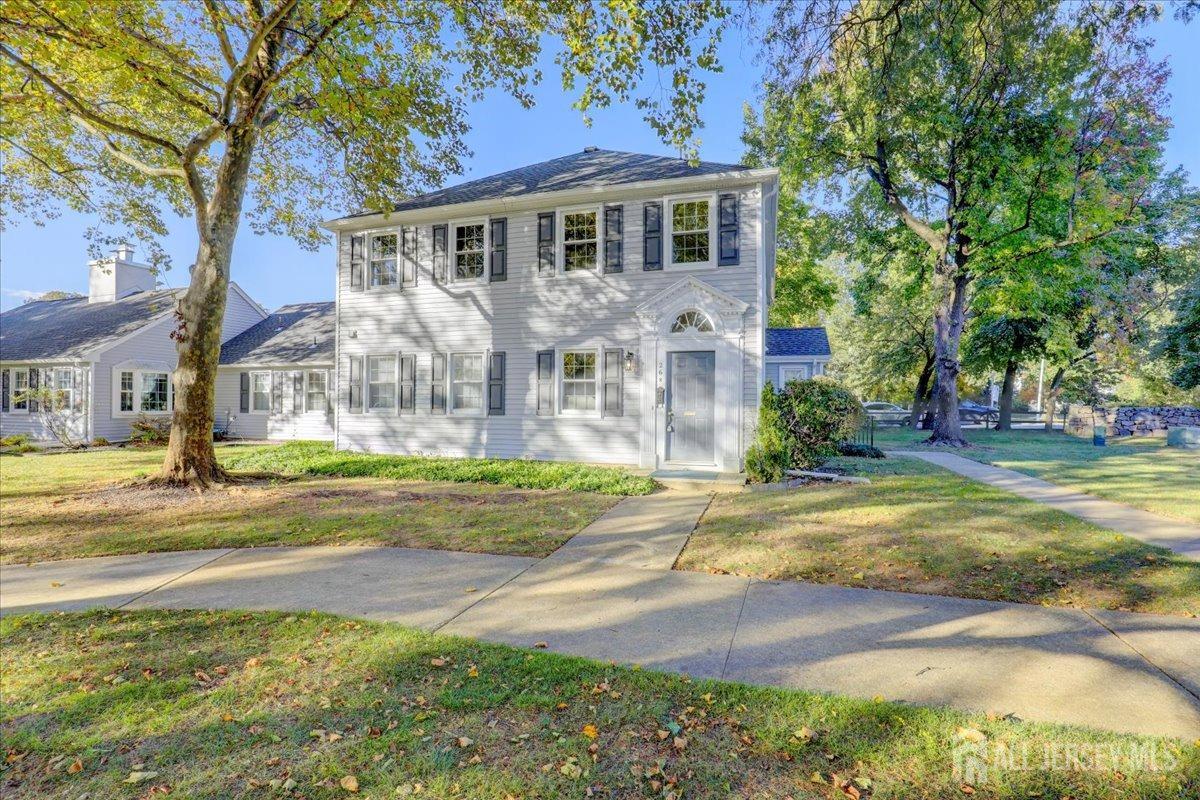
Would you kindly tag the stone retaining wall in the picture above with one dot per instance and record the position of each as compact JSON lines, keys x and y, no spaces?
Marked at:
{"x":1130,"y":420}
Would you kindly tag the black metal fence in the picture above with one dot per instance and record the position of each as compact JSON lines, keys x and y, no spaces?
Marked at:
{"x":866,"y":433}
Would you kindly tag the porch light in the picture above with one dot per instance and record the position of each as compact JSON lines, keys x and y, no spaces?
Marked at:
{"x":631,"y":361}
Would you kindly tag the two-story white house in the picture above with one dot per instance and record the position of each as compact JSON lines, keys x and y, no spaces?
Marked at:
{"x":600,"y":307}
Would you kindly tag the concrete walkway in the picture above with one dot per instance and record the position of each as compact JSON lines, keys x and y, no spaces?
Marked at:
{"x":610,"y":594}
{"x":1181,"y":537}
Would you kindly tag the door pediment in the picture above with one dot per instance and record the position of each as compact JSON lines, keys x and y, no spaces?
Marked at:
{"x":660,"y":311}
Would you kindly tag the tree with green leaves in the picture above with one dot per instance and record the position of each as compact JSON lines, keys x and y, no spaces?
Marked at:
{"x":995,"y":131}
{"x":287,"y":108}
{"x":1003,"y":343}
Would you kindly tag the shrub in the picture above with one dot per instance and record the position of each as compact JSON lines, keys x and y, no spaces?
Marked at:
{"x":100,"y":441}
{"x":819,"y":414}
{"x":16,"y":440}
{"x":770,"y":452}
{"x":856,"y":450}
{"x":149,"y":430}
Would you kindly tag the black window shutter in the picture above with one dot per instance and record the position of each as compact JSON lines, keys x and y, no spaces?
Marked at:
{"x":727,"y":229}
{"x":355,"y":386}
{"x":546,"y":243}
{"x":357,"y":245}
{"x":408,"y":257}
{"x":613,"y":400}
{"x":652,"y":236}
{"x":77,"y":389}
{"x":496,"y":384}
{"x":545,"y":382}
{"x":437,"y":384}
{"x":297,"y":392}
{"x":498,"y":261}
{"x":244,"y":393}
{"x":276,"y":392}
{"x":612,"y":238}
{"x":439,"y":253}
{"x":34,"y":380}
{"x":4,"y":390}
{"x":408,"y":384}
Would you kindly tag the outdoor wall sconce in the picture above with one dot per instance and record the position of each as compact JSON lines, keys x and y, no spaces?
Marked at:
{"x":631,"y":361}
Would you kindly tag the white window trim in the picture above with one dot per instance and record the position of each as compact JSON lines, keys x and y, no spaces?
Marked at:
{"x":560,"y":239}
{"x":325,"y":391}
{"x":70,"y":390}
{"x":13,"y":390}
{"x":483,"y":398}
{"x":560,"y":374}
{"x":270,"y":390}
{"x":368,"y":255}
{"x":451,"y":251}
{"x":669,"y":231}
{"x":367,"y":384}
{"x":115,"y":410}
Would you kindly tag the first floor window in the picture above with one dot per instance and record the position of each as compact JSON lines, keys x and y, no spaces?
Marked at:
{"x":154,"y":391}
{"x":579,"y":380}
{"x":260,"y":391}
{"x":468,"y":251}
{"x":20,"y":387}
{"x":63,"y":386}
{"x":316,"y":383}
{"x":126,"y":391}
{"x":801,"y":373}
{"x":579,"y":240}
{"x":689,"y":232}
{"x":466,"y":382}
{"x":381,"y":383}
{"x":383,"y":260}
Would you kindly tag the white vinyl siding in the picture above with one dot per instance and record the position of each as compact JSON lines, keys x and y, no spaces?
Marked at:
{"x":292,"y":423}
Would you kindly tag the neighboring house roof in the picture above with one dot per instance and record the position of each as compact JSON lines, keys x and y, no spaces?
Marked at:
{"x":50,"y":330}
{"x":797,"y":342}
{"x":591,"y":168}
{"x":301,"y":333}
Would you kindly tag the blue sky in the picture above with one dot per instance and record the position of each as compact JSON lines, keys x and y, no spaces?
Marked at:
{"x":35,"y":259}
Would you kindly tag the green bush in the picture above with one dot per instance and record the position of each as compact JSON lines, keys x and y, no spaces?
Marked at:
{"x":818,"y":414}
{"x":16,"y":440}
{"x":770,"y":452}
{"x":857,"y":450}
{"x":100,"y":441}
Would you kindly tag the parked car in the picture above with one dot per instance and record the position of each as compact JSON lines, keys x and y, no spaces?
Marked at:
{"x":969,"y":411}
{"x":887,"y":413}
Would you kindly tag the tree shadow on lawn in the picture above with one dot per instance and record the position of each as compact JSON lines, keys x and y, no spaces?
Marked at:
{"x":328,"y":698}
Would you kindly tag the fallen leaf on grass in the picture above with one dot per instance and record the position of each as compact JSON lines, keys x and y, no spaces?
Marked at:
{"x":590,"y":731}
{"x":76,"y":766}
{"x":138,"y":776}
{"x":437,"y":662}
{"x":349,"y":783}
{"x":464,"y":741}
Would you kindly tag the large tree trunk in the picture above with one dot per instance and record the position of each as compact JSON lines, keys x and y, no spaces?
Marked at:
{"x":190,"y":456}
{"x":921,"y":395}
{"x":1052,"y":397}
{"x":949,"y":317}
{"x":1006,"y":397}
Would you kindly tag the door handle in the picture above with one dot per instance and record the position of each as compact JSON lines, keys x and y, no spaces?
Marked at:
{"x":670,"y":421}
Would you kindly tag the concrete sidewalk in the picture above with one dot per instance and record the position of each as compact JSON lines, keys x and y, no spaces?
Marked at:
{"x":1181,"y":537}
{"x":610,"y":594}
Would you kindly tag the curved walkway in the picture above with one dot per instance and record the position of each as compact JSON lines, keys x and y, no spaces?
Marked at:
{"x":610,"y":594}
{"x":1181,"y":537}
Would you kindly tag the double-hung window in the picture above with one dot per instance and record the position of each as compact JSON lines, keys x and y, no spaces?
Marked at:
{"x":383,"y":260}
{"x":125,"y":396}
{"x":580,"y":240}
{"x":155,"y":394}
{"x":466,"y":383}
{"x":381,"y":383}
{"x":62,"y":382}
{"x":316,"y":384}
{"x":260,"y":391}
{"x":690,"y":231}
{"x":578,"y":381}
{"x":19,"y":388}
{"x":469,"y":250}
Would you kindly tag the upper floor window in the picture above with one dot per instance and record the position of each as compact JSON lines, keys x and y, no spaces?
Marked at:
{"x":383,"y":260}
{"x":692,"y":322}
{"x":381,"y":383}
{"x":468,"y":251}
{"x":579,"y":380}
{"x":579,"y":240}
{"x":466,"y":382}
{"x":690,"y":231}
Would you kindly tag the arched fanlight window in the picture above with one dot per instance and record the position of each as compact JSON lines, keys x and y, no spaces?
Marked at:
{"x":692,"y":322}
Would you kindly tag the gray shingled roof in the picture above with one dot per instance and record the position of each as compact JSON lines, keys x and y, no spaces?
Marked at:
{"x":797,"y":342}
{"x":301,"y":333}
{"x":591,"y":168}
{"x":49,"y":330}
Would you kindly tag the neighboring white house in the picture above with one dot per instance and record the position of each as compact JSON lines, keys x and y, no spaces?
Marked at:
{"x":275,"y":380}
{"x":796,"y":354}
{"x":600,"y":307}
{"x":110,"y":353}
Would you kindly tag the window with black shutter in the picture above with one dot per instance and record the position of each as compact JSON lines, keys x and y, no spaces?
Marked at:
{"x":408,"y":253}
{"x":498,"y":258}
{"x":545,"y":239}
{"x":612,"y":238}
{"x":652,"y":236}
{"x":357,"y":261}
{"x":297,"y":392}
{"x":727,"y":230}
{"x":613,"y":372}
{"x":34,"y":381}
{"x":408,"y":384}
{"x":440,"y":259}
{"x":496,"y":366}
{"x":276,"y":392}
{"x":355,"y":385}
{"x":545,"y":382}
{"x":4,"y":389}
{"x":243,"y":393}
{"x":437,"y":384}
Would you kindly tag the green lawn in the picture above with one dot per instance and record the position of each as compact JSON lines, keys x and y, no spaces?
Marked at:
{"x":920,"y":528}
{"x":232,"y":705}
{"x":80,"y":504}
{"x":1142,"y":472}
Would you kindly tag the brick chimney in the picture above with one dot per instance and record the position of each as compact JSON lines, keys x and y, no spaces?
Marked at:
{"x":112,"y":278}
